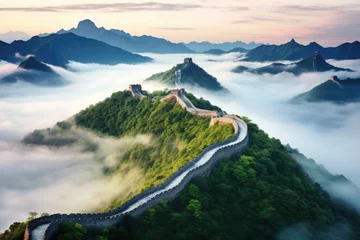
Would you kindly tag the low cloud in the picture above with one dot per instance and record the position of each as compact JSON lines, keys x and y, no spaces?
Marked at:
{"x":106,"y":7}
{"x":66,"y":179}
{"x":325,"y":132}
{"x":304,"y":231}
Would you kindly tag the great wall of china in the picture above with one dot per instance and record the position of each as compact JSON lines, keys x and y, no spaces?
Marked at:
{"x":44,"y":228}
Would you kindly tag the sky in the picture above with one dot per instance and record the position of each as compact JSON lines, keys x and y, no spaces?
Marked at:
{"x":329,"y":22}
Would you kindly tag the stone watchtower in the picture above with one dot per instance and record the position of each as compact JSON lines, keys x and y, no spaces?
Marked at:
{"x":188,"y":60}
{"x":135,"y":87}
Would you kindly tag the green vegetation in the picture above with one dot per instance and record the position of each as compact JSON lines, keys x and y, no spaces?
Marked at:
{"x":168,"y":77}
{"x":71,"y":231}
{"x":178,"y":136}
{"x":192,"y":75}
{"x":17,"y":229}
{"x":15,"y":232}
{"x":254,"y":196}
{"x":202,"y":103}
{"x":329,"y":91}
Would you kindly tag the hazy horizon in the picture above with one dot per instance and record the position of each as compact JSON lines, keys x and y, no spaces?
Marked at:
{"x":326,"y":22}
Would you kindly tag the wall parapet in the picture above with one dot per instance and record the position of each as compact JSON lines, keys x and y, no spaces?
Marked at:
{"x":102,"y":220}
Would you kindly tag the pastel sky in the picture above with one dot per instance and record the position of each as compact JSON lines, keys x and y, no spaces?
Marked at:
{"x":328,"y":22}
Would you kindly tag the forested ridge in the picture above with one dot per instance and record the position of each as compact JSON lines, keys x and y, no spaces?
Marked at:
{"x":255,"y":196}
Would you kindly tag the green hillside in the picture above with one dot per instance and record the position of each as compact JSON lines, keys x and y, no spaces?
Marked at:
{"x":255,"y":196}
{"x":192,"y":75}
{"x":348,"y":91}
{"x":178,"y":136}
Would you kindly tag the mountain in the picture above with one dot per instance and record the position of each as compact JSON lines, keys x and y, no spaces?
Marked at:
{"x":314,"y":63}
{"x":294,"y":51}
{"x":334,"y":90}
{"x":215,"y":52}
{"x":257,"y":195}
{"x":34,"y":72}
{"x":59,"y":49}
{"x":220,"y":52}
{"x":123,"y":40}
{"x":239,"y":50}
{"x":187,"y":73}
{"x":338,"y":186}
{"x":12,"y":36}
{"x":226,"y":46}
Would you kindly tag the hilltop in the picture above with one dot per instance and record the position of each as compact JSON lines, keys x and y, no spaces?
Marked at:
{"x":334,"y":90}
{"x":314,"y":63}
{"x":253,"y":196}
{"x":35,"y":72}
{"x":294,"y":51}
{"x":189,"y":73}
{"x":121,"y":39}
{"x":59,"y":49}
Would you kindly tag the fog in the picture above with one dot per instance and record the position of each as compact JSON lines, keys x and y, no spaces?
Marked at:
{"x":45,"y":179}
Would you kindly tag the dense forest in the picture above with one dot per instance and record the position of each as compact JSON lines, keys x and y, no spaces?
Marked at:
{"x":256,"y":196}
{"x":202,"y":103}
{"x":259,"y":195}
{"x":177,"y":136}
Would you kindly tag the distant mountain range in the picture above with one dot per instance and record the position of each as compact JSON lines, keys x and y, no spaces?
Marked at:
{"x":12,"y":36}
{"x":191,"y":74}
{"x":294,"y":51}
{"x":59,"y":49}
{"x":200,"y":47}
{"x":220,"y":52}
{"x":123,"y":40}
{"x":314,"y":63}
{"x":35,"y":72}
{"x":334,"y":90}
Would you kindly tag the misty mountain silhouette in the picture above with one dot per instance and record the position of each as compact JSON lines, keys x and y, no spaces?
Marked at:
{"x":335,"y":90}
{"x":35,"y":72}
{"x":191,"y":74}
{"x":294,"y":51}
{"x":225,"y":46}
{"x":59,"y":49}
{"x":123,"y":40}
{"x":314,"y":63}
{"x":219,"y":51}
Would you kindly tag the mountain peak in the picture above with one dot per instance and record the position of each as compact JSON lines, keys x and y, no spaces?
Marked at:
{"x":86,"y":24}
{"x":31,"y":63}
{"x":293,"y":41}
{"x":315,"y":44}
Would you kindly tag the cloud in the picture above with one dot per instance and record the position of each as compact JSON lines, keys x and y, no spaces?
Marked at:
{"x":45,"y":179}
{"x":106,"y":7}
{"x":43,"y":176}
{"x":238,"y":9}
{"x":256,"y":19}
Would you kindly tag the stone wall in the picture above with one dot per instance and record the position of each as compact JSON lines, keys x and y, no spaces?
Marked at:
{"x":104,"y":220}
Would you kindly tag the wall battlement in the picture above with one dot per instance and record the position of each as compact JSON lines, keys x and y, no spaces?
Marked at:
{"x":234,"y":146}
{"x":136,"y":90}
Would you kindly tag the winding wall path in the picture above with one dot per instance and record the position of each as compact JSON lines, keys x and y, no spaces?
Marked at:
{"x":44,"y":228}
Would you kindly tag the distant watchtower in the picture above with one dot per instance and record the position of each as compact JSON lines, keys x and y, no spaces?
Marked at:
{"x":136,"y":90}
{"x":135,"y":87}
{"x":188,"y":60}
{"x":178,"y":92}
